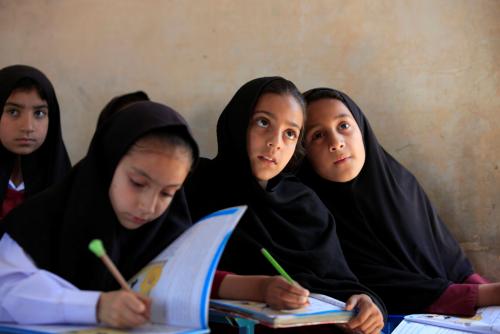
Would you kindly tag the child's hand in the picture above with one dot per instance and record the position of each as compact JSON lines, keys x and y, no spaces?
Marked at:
{"x":279,"y":294}
{"x":123,"y":309}
{"x":369,"y":319}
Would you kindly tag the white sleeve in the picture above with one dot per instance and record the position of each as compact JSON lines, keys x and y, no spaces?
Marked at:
{"x":29,"y":295}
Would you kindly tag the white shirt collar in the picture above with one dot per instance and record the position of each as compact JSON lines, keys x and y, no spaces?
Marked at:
{"x":12,"y":186}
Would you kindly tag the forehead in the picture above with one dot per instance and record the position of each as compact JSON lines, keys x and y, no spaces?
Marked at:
{"x":281,"y":107}
{"x":326,"y":110}
{"x":149,"y":148}
{"x":164,"y":165}
{"x":23,"y":93}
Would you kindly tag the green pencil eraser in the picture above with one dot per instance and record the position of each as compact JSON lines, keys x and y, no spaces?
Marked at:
{"x":97,"y":248}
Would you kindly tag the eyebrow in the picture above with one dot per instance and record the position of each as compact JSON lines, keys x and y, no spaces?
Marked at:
{"x":342,"y":115}
{"x":13,"y":104}
{"x":146,"y":175}
{"x":271,"y":115}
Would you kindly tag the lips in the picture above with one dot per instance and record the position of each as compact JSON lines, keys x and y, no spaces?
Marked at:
{"x":25,"y":140}
{"x":267,"y":159}
{"x":341,"y":159}
{"x":137,"y":220}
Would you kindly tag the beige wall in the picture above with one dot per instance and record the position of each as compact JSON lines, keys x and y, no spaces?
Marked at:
{"x":426,"y":72}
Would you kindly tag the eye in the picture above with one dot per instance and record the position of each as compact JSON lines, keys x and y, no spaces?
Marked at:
{"x":344,"y":126}
{"x":136,"y":184}
{"x":166,"y":194}
{"x":262,"y":122}
{"x":39,"y":114}
{"x":291,"y":134}
{"x":317,"y":135}
{"x":12,"y":112}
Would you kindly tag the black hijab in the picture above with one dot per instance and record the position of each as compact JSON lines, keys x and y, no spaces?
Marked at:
{"x":392,"y":236}
{"x":119,"y":102}
{"x":286,"y":218}
{"x":56,"y":226}
{"x":50,"y":162}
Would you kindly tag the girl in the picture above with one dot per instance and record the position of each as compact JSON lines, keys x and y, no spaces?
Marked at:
{"x":391,"y":234}
{"x":121,"y":193}
{"x":32,"y":152}
{"x":257,"y":135}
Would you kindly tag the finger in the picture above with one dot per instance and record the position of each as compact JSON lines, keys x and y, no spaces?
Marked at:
{"x":129,"y":319}
{"x":293,"y":290}
{"x":351,"y":302}
{"x":147,"y":302}
{"x":135,"y":303}
{"x":297,"y":289}
{"x":292,"y":298}
{"x":368,"y":324}
{"x":358,"y":320}
{"x":375,"y":328}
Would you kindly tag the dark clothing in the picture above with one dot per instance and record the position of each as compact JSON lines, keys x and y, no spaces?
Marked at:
{"x":286,"y":218}
{"x":56,"y":226}
{"x":391,"y":234}
{"x":50,"y":162}
{"x":12,"y":199}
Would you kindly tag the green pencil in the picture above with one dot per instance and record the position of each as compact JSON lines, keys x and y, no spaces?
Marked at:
{"x":276,"y":265}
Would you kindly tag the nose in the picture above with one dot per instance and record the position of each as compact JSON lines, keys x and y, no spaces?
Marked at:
{"x":28,"y":124}
{"x":147,"y":204}
{"x":336,"y":143}
{"x":273,"y":141}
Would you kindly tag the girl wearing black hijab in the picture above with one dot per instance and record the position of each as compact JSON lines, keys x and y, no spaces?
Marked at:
{"x":139,"y":156}
{"x":32,"y":152}
{"x":127,"y":192}
{"x":257,"y":135}
{"x":391,"y":235}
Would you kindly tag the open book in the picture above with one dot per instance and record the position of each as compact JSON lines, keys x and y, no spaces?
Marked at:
{"x":178,"y":280}
{"x":486,"y":321}
{"x":321,"y":310}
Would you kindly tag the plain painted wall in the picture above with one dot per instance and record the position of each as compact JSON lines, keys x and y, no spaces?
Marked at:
{"x":426,"y":73}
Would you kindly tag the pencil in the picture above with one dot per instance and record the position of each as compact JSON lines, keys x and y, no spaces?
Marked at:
{"x":97,"y":248}
{"x":276,"y":265}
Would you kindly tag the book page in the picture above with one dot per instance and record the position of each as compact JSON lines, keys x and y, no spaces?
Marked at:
{"x":315,"y":307}
{"x":179,"y":278}
{"x":486,"y":320}
{"x":408,"y":327}
{"x":74,"y":329}
{"x":328,"y":299}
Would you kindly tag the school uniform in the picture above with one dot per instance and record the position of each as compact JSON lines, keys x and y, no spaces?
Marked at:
{"x":286,"y":218}
{"x":13,"y":197}
{"x":50,"y":162}
{"x":45,"y":263}
{"x":391,"y":234}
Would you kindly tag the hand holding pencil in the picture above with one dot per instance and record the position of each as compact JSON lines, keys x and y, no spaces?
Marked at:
{"x":123,"y":308}
{"x":282,"y":292}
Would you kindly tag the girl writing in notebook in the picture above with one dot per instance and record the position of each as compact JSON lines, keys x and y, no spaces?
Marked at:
{"x":258,"y":133}
{"x":391,"y":234}
{"x":32,"y":152}
{"x":120,"y":193}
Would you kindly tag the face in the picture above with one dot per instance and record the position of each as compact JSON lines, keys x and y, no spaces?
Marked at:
{"x":334,"y":143}
{"x":272,"y":134}
{"x":145,"y":181}
{"x":24,"y":122}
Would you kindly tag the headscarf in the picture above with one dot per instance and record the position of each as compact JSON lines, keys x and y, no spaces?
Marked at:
{"x":119,"y":102}
{"x":286,"y":218}
{"x":56,"y":226}
{"x":391,"y":234}
{"x":50,"y":162}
